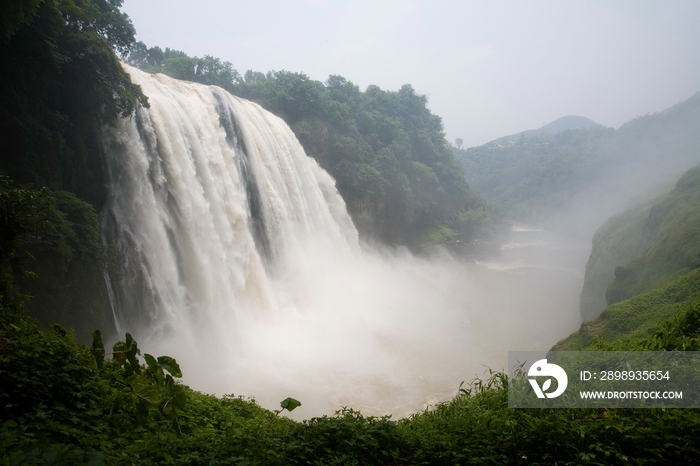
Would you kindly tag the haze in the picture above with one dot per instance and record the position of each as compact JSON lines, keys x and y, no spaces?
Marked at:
{"x":489,"y":68}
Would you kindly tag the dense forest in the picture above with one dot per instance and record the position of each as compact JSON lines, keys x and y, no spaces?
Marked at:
{"x":65,"y":403}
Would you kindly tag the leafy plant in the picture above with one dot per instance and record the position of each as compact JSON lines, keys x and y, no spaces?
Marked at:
{"x":153,"y":383}
{"x":290,"y":404}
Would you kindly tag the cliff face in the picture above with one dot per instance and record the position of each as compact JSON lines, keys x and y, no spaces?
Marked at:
{"x":651,"y":243}
{"x":374,"y":221}
{"x":619,"y":241}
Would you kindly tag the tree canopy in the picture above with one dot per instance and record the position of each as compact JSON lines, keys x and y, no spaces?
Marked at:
{"x":61,"y":80}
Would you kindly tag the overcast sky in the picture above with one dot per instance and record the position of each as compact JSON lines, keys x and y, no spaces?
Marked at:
{"x":489,"y":68}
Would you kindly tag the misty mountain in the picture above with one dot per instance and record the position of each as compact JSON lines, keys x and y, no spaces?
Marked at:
{"x":577,"y":178}
{"x":556,"y":126}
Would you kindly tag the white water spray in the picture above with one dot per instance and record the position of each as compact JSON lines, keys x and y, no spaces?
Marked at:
{"x":239,"y":259}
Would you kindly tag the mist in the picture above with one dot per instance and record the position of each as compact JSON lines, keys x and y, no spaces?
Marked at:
{"x":239,"y":259}
{"x":646,"y":154}
{"x":386,"y":332}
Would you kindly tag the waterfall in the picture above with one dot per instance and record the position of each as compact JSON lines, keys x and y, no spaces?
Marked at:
{"x":237,"y":256}
{"x":209,"y":196}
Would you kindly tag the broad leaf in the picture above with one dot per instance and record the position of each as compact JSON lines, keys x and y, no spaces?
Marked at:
{"x":144,"y":390}
{"x":151,"y":361}
{"x":169,"y":364}
{"x":180,"y":397}
{"x":290,"y":404}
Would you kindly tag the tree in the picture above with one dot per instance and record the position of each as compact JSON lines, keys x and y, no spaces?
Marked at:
{"x":16,"y":14}
{"x":61,"y":81}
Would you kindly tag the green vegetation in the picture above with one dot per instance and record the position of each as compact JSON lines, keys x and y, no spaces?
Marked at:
{"x":672,"y":246}
{"x":67,"y":404}
{"x":644,"y":266}
{"x":637,"y":317}
{"x":61,"y":82}
{"x":619,"y":241}
{"x":649,"y":244}
{"x":540,"y":174}
{"x":557,"y":126}
{"x":385,"y":149}
{"x":51,"y":250}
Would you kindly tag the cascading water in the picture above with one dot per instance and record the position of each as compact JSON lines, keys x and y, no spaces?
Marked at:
{"x":209,"y":196}
{"x":239,"y":259}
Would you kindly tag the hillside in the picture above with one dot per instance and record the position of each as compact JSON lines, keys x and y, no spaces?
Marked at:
{"x":536,"y":176}
{"x":636,"y":318}
{"x":650,"y":243}
{"x":643,"y":267}
{"x":579,"y":178}
{"x":570,"y":122}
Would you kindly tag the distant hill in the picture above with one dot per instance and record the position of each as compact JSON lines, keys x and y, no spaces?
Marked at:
{"x":577,"y":178}
{"x":557,"y":126}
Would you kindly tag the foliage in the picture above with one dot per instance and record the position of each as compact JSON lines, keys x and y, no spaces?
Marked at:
{"x":478,"y":427}
{"x":51,"y":395}
{"x":671,"y":244}
{"x":620,"y":240}
{"x":61,"y":81}
{"x":22,"y":217}
{"x":69,"y":404}
{"x":533,"y":177}
{"x":15,"y":15}
{"x":50,"y":248}
{"x":348,"y":438}
{"x":175,"y":63}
